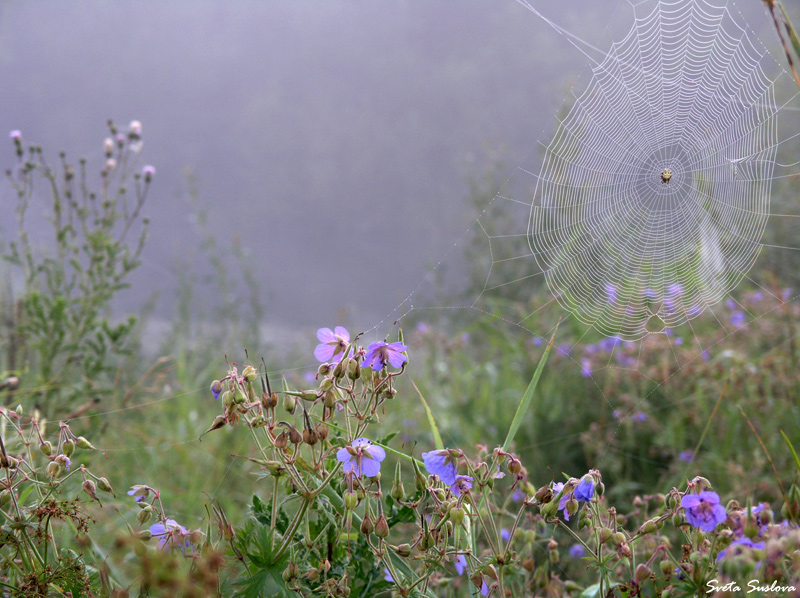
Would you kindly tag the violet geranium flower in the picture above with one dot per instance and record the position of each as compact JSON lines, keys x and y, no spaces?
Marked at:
{"x":381,"y":353}
{"x":172,"y":534}
{"x":362,"y":457}
{"x":441,"y":463}
{"x":332,"y":344}
{"x":703,"y":510}
{"x":462,"y":484}
{"x":584,"y":490}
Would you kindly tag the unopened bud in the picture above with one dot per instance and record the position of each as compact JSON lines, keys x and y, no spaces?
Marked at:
{"x":398,"y":492}
{"x":289,"y":403}
{"x":643,"y":572}
{"x":310,"y":436}
{"x":291,"y":572}
{"x":145,"y":514}
{"x":457,"y":515}
{"x":544,"y":495}
{"x":90,"y":488}
{"x":281,"y":440}
{"x":53,"y":469}
{"x":308,"y":395}
{"x":104,"y":485}
{"x":295,"y":437}
{"x":367,"y":526}
{"x":83,"y":443}
{"x":249,"y":373}
{"x":68,"y":448}
{"x":618,"y":539}
{"x":338,"y":371}
{"x":381,"y":527}
{"x":350,"y":500}
{"x":46,"y":447}
{"x":514,"y":466}
{"x":322,"y":431}
{"x":108,"y":147}
{"x":649,"y":527}
{"x":667,"y":567}
{"x":404,"y":550}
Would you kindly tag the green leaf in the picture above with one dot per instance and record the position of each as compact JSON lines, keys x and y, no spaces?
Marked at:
{"x":794,"y":453}
{"x":522,"y":408}
{"x":790,"y":28}
{"x":437,"y":439}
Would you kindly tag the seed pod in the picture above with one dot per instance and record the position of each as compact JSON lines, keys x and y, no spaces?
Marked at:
{"x":310,"y":436}
{"x":367,"y":526}
{"x":322,"y":431}
{"x":295,"y":437}
{"x":104,"y":485}
{"x":381,"y":527}
{"x":68,"y":448}
{"x":90,"y":488}
{"x":83,"y":443}
{"x":289,"y":403}
{"x":46,"y":447}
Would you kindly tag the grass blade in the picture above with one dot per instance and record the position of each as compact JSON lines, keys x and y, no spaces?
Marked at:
{"x":437,"y":439}
{"x":522,"y":408}
{"x":794,"y":453}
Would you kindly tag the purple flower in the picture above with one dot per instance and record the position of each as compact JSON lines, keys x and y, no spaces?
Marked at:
{"x":562,"y":503}
{"x":730,"y":303}
{"x":16,"y":135}
{"x":611,"y":293}
{"x":171,"y":533}
{"x":705,"y":355}
{"x":703,"y":510}
{"x":537,"y":341}
{"x":585,"y":489}
{"x":679,"y":341}
{"x":737,"y":318}
{"x":387,"y":575}
{"x":518,"y":495}
{"x":139,"y":493}
{"x":741,"y":542}
{"x":505,"y":535}
{"x":564,"y":349}
{"x":441,"y":463}
{"x":361,"y":457}
{"x":576,"y":551}
{"x":216,"y":389}
{"x":586,"y":368}
{"x":639,"y":416}
{"x":686,"y":456}
{"x":380,"y":353}
{"x":148,"y":172}
{"x":461,"y":564}
{"x":462,"y":484}
{"x":485,"y":589}
{"x":332,"y":344}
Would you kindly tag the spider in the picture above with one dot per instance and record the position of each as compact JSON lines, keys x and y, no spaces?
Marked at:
{"x":666,"y":175}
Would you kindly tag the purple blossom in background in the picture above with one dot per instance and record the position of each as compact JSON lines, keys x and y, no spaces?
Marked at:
{"x":737,"y":318}
{"x":611,"y":293}
{"x":730,"y":303}
{"x":564,"y":349}
{"x":441,"y":463}
{"x":639,"y":417}
{"x":381,"y":353}
{"x":366,"y":460}
{"x":465,"y":337}
{"x":703,"y":510}
{"x":586,"y":368}
{"x":518,"y":495}
{"x":148,"y":172}
{"x":741,"y":542}
{"x":585,"y":490}
{"x":139,"y":493}
{"x":505,"y":534}
{"x":616,"y":414}
{"x":422,"y":328}
{"x":537,"y":341}
{"x":693,"y":310}
{"x":387,"y":575}
{"x":686,"y":456}
{"x":16,"y":135}
{"x":650,"y":294}
{"x":332,"y":344}
{"x":461,"y":564}
{"x":172,"y":533}
{"x":705,"y":355}
{"x":758,"y":296}
{"x":787,"y":293}
{"x":679,"y":341}
{"x":462,"y":484}
{"x":485,"y":590}
{"x":576,"y":551}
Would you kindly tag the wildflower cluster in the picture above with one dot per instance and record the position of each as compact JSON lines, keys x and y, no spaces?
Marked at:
{"x":38,"y":470}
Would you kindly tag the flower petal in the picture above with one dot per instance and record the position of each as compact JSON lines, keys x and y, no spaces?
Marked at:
{"x":370,"y":467}
{"x":326,"y":335}
{"x":343,"y":455}
{"x":342,"y":333}
{"x":324,"y":352}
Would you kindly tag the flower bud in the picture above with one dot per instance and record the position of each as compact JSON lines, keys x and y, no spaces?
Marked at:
{"x":350,"y":500}
{"x":289,"y":403}
{"x":367,"y":526}
{"x":308,"y":395}
{"x":353,"y":369}
{"x":643,"y":572}
{"x":322,"y":431}
{"x":291,"y":572}
{"x":281,"y":440}
{"x":295,"y":437}
{"x":53,"y":469}
{"x":310,"y":436}
{"x":249,"y":373}
{"x":514,"y":465}
{"x":605,"y":534}
{"x":144,"y":535}
{"x":552,"y":550}
{"x":83,"y":443}
{"x":325,"y":385}
{"x":404,"y":550}
{"x":618,"y":539}
{"x":382,"y":527}
{"x":68,"y":448}
{"x":544,"y":495}
{"x":339,"y":370}
{"x":649,"y":527}
{"x":666,"y":567}
{"x":145,"y":514}
{"x":398,"y":492}
{"x":46,"y":447}
{"x":108,"y":147}
{"x":90,"y":488}
{"x":104,"y":485}
{"x":677,"y":519}
{"x":457,"y":515}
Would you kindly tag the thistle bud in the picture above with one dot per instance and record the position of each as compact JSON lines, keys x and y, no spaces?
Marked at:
{"x":381,"y":527}
{"x":289,"y":404}
{"x":108,"y":147}
{"x":46,"y":447}
{"x":90,"y":488}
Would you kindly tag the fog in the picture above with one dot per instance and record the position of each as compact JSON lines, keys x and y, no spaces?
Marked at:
{"x":333,"y":140}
